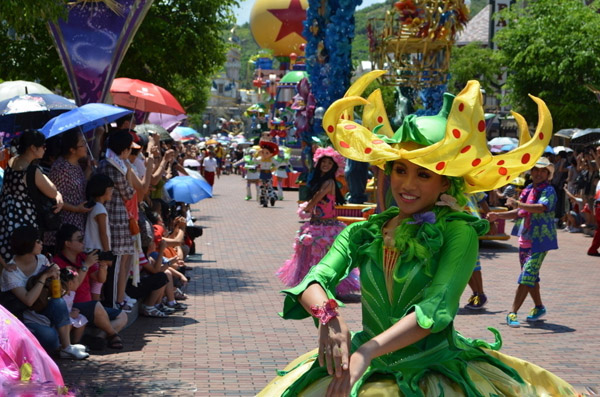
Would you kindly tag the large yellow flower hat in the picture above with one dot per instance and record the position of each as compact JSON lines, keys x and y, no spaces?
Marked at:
{"x":452,"y":143}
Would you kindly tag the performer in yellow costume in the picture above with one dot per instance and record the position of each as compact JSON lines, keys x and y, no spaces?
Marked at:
{"x":415,"y":261}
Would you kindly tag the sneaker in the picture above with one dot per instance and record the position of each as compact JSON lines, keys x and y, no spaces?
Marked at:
{"x":593,"y":253}
{"x":280,"y":198}
{"x":566,"y":229}
{"x":511,"y":320}
{"x":471,"y":299}
{"x":478,"y":302}
{"x":575,"y":230}
{"x":81,"y":348}
{"x":73,"y":353}
{"x":272,"y":201}
{"x":536,"y":313}
{"x":179,"y":295}
{"x":248,"y":198}
{"x":178,"y":307}
{"x":165,"y":309}
{"x":151,"y":311}
{"x":130,"y":301}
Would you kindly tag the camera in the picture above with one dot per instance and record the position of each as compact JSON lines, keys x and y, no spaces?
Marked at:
{"x":106,"y":256}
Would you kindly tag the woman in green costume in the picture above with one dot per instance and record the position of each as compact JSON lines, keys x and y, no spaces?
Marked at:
{"x":415,"y":260}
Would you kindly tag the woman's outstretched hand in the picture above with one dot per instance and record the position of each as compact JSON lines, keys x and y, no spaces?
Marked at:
{"x":334,"y":346}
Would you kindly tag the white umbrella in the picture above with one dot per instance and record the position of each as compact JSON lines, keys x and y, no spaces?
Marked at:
{"x":503,"y":140}
{"x":191,"y":163}
{"x":558,"y":149}
{"x":10,"y":89}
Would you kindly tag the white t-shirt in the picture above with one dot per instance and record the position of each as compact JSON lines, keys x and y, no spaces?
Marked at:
{"x":92,"y":232}
{"x":15,"y":279}
{"x":210,"y":164}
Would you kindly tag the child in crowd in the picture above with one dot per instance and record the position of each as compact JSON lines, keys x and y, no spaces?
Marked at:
{"x":68,"y":279}
{"x":97,"y":236}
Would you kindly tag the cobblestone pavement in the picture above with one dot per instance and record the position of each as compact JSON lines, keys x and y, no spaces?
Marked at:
{"x":230,"y":341}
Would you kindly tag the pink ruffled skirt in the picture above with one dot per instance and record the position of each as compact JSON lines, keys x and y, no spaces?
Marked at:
{"x":311,"y":244}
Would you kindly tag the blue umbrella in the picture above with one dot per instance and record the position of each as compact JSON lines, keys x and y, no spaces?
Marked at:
{"x":186,"y":131}
{"x":508,"y":148}
{"x":187,"y":189}
{"x":86,"y":117}
{"x":549,"y":149}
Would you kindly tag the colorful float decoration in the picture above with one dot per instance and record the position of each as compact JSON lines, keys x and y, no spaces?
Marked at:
{"x":414,"y":40}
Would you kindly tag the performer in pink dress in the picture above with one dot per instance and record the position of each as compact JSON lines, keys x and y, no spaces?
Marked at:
{"x":316,"y":236}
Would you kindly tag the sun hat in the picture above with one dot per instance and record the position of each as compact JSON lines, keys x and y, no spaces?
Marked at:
{"x":335,"y":156}
{"x":544,"y":162}
{"x":451,"y":143}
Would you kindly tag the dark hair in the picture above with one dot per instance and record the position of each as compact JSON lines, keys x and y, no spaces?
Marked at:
{"x":122,"y":120}
{"x":97,"y":185}
{"x":64,"y":234}
{"x":22,"y":239}
{"x":119,"y":141}
{"x":66,"y":275}
{"x":68,"y":141}
{"x":316,"y":180}
{"x":29,"y":138}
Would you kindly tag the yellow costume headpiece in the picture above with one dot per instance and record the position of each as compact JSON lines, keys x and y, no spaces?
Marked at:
{"x":452,"y":143}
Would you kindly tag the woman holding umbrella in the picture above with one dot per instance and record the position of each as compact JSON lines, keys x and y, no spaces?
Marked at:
{"x":16,"y":206}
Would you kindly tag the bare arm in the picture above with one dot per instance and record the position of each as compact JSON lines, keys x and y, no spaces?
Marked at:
{"x":102,"y":231}
{"x":48,"y":188}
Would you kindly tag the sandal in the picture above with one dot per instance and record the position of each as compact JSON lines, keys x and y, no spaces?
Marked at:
{"x":180,"y":296}
{"x":151,"y":311}
{"x":114,"y":342}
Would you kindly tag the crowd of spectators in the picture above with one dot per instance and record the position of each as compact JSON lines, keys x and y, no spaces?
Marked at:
{"x":106,"y":230}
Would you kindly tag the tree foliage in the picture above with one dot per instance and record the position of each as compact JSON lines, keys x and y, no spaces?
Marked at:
{"x":472,"y":62}
{"x":552,"y":51}
{"x":179,"y":46}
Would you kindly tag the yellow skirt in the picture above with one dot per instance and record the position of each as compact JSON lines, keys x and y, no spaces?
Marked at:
{"x":490,"y":381}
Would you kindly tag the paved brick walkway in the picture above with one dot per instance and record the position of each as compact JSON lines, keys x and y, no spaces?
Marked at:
{"x":230,"y":341}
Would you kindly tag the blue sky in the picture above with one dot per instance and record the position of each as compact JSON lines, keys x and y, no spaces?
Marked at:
{"x":243,"y":12}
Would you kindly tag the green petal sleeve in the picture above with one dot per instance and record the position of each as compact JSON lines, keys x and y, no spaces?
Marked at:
{"x":334,"y":267}
{"x":457,"y":259}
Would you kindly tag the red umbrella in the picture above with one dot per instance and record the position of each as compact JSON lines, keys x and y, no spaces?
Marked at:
{"x":148,"y":97}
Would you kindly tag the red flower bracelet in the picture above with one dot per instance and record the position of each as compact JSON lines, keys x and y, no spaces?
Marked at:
{"x":326,"y":312}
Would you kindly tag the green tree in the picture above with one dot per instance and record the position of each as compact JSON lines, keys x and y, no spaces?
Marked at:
{"x":473,"y":62}
{"x":552,"y":51}
{"x":179,"y":46}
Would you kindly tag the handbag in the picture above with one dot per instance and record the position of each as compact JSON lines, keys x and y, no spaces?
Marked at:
{"x":134,"y":228}
{"x":47,"y":219}
{"x":41,"y":302}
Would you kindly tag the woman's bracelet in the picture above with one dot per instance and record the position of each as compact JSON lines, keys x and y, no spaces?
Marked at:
{"x":326,"y":312}
{"x":41,"y":282}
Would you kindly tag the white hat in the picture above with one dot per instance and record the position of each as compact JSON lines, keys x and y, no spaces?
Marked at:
{"x":543,"y":162}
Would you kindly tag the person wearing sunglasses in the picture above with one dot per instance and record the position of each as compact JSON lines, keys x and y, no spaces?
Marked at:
{"x":50,"y":325}
{"x":71,"y":255}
